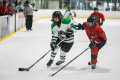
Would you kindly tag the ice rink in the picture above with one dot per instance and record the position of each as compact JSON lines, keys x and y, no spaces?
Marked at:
{"x":23,"y":48}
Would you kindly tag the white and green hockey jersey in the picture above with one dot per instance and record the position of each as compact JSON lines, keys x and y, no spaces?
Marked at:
{"x":66,"y":24}
{"x":69,"y":14}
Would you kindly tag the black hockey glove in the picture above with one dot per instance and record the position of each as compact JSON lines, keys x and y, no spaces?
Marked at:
{"x":11,"y":14}
{"x":80,"y":27}
{"x":92,"y":45}
{"x":36,"y":10}
{"x":53,"y":45}
{"x":69,"y":33}
{"x":75,"y":15}
{"x":101,"y":23}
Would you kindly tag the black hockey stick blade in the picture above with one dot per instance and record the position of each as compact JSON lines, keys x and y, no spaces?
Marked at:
{"x":23,"y":69}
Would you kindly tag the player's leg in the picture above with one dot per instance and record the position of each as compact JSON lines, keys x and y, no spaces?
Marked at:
{"x":65,"y":47}
{"x":101,"y":45}
{"x":52,"y":57}
{"x":31,"y":20}
{"x":27,"y":23}
{"x":53,"y":53}
{"x":94,"y":53}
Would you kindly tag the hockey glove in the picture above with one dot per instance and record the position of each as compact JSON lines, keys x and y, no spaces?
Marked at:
{"x":69,"y":33}
{"x":75,"y":15}
{"x":53,"y":45}
{"x":92,"y":45}
{"x":36,"y":10}
{"x":101,"y":23}
{"x":11,"y":14}
{"x":80,"y":26}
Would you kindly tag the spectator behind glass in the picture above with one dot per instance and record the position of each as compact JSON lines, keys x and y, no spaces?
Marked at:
{"x":14,"y":9}
{"x":119,"y":8}
{"x":3,"y":8}
{"x":1,"y":4}
{"x":33,"y":6}
{"x":10,"y":10}
{"x":20,"y":7}
{"x":24,"y":5}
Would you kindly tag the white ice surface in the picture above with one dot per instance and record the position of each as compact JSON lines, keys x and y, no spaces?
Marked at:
{"x":25,"y":47}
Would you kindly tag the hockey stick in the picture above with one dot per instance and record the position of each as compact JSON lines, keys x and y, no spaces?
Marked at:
{"x":68,"y":63}
{"x":27,"y":69}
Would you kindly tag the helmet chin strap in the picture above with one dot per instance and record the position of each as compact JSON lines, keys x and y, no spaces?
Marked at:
{"x":92,"y":25}
{"x":96,"y":13}
{"x":58,"y":23}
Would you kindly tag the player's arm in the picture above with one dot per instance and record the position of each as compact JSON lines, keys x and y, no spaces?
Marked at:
{"x":72,"y":25}
{"x":91,"y":14}
{"x":95,"y":41}
{"x":54,"y":33}
{"x":79,"y":26}
{"x":65,"y":13}
{"x":54,"y":37}
{"x":72,"y":29}
{"x":100,"y":34}
{"x":103,"y":19}
{"x":74,"y":14}
{"x":25,"y":13}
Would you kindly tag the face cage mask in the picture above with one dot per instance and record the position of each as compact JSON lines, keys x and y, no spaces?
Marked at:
{"x":58,"y":23}
{"x":96,"y":12}
{"x":93,"y":23}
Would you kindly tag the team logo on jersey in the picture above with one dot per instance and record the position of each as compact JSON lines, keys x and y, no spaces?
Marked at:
{"x":102,"y":33}
{"x":70,"y":14}
{"x":93,"y":36}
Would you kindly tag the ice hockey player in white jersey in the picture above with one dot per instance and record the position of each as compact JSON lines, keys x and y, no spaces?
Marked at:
{"x":61,"y":28}
{"x":69,"y":13}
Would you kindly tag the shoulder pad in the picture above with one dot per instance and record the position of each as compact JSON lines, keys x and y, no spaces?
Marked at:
{"x":52,"y":25}
{"x":66,"y":20}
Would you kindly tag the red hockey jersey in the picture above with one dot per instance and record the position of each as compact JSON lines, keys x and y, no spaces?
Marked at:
{"x":3,"y":9}
{"x":94,"y":33}
{"x":10,"y":9}
{"x":0,"y":9}
{"x":98,"y":16}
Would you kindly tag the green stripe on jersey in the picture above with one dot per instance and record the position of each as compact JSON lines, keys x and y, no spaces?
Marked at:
{"x":66,"y":11}
{"x":62,"y":58}
{"x":52,"y":32}
{"x":52,"y":25}
{"x":53,"y":39}
{"x":69,"y":39}
{"x":74,"y":26}
{"x":66,"y":20}
{"x":60,"y":37}
{"x":52,"y":55}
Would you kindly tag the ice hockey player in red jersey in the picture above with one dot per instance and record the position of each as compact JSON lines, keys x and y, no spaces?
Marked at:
{"x":99,"y":16}
{"x":10,"y":10}
{"x":3,"y":8}
{"x":96,"y":36}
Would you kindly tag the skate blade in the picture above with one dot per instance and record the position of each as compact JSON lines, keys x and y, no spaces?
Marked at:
{"x":48,"y":66}
{"x":93,"y":69}
{"x":60,"y":64}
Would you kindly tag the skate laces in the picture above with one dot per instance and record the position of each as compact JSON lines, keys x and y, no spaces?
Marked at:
{"x":59,"y":62}
{"x":93,"y":65}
